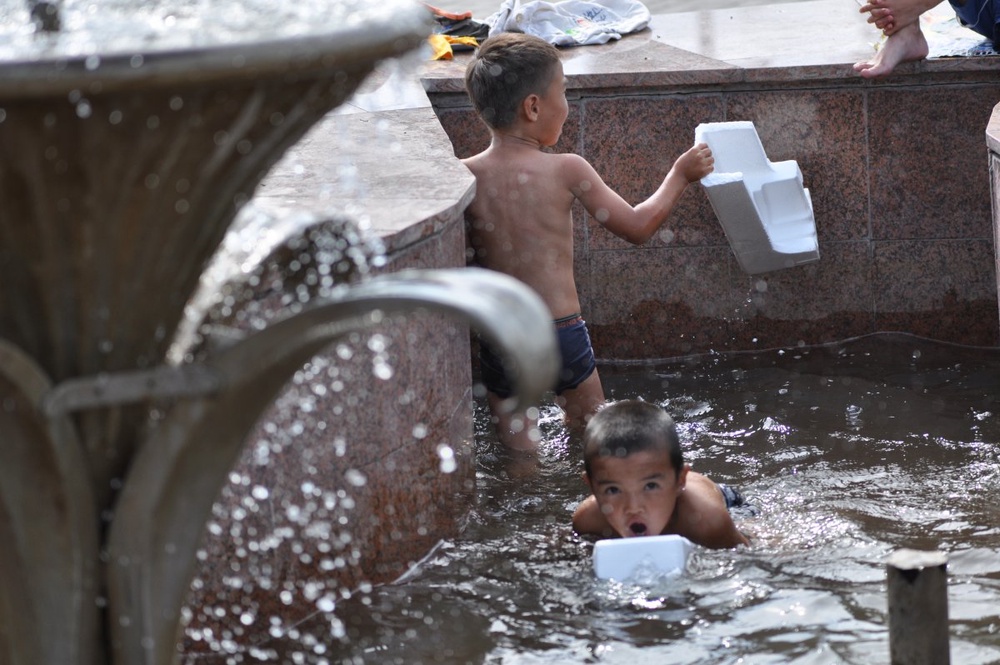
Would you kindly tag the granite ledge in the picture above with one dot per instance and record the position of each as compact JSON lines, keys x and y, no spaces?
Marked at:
{"x":382,"y":159}
{"x":993,"y":131}
{"x":776,"y":44}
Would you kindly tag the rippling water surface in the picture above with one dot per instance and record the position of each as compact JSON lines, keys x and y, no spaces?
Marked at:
{"x":846,"y":452}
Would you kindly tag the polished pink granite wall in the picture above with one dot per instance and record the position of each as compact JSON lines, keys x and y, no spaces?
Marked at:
{"x":895,"y":167}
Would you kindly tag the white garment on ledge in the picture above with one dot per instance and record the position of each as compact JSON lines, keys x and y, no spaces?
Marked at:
{"x":571,"y":22}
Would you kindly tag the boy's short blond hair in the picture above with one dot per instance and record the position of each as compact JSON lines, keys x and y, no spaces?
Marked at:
{"x":507,"y":68}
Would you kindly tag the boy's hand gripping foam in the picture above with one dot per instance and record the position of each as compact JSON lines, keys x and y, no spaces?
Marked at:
{"x":765,"y":211}
{"x":617,"y":558}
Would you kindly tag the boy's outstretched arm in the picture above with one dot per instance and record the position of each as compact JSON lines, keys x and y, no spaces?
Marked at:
{"x":637,"y":224}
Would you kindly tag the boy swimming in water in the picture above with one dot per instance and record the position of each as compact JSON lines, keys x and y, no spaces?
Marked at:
{"x":521,"y":223}
{"x":640,"y":485}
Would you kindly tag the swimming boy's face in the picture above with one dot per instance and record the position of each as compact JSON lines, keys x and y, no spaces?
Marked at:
{"x":553,"y":108}
{"x":637,"y":494}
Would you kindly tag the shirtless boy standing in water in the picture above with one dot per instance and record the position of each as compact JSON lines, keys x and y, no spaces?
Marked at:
{"x":520,"y":222}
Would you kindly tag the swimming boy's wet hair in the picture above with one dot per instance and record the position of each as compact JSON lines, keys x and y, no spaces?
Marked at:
{"x":507,"y":68}
{"x":631,"y":426}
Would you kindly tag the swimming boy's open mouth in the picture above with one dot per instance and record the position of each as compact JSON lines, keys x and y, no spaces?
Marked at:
{"x":637,"y":529}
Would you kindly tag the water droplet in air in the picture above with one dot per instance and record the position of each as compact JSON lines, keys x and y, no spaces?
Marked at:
{"x":382,"y":370}
{"x":447,"y":455}
{"x":355,"y":477}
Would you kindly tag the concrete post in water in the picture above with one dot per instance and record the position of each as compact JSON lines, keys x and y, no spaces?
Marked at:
{"x":918,"y":607}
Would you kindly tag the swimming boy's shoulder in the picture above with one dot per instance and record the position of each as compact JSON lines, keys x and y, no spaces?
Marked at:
{"x":702,"y":516}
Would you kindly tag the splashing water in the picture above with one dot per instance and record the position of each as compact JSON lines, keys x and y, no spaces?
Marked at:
{"x":832,"y":496}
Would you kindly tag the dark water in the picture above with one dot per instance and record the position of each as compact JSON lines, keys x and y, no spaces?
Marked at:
{"x":847,"y":452}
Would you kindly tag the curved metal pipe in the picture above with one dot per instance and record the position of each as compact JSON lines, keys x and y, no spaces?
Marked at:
{"x":179,"y":471}
{"x":48,"y":527}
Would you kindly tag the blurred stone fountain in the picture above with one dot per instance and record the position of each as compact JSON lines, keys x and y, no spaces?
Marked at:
{"x":129,"y":139}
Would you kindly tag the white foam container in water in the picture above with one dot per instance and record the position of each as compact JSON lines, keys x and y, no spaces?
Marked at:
{"x":617,"y":558}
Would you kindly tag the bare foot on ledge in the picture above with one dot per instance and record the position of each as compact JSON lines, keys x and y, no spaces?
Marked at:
{"x":890,"y":16}
{"x":906,"y":44}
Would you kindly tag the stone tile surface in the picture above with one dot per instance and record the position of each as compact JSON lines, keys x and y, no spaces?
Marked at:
{"x":995,"y":189}
{"x":659,"y":303}
{"x":810,"y":304}
{"x":942,"y":290}
{"x":341,"y":482}
{"x":393,"y":170}
{"x":928,"y":176}
{"x":802,"y":125}
{"x":633,"y":143}
{"x":772,"y":36}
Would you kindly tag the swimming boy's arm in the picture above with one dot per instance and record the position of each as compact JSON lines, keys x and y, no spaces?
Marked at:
{"x":637,"y":224}
{"x":588,"y":520}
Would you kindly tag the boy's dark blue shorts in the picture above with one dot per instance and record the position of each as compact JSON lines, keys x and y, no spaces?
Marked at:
{"x":575,"y":350}
{"x":732,"y":495}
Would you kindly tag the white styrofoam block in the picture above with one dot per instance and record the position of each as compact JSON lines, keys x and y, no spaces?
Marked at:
{"x":617,"y":558}
{"x":763,"y":207}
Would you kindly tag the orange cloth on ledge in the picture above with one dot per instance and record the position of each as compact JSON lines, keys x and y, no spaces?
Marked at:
{"x":441,"y":45}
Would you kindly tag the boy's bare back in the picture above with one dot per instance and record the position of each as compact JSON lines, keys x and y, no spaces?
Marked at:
{"x":520,"y":222}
